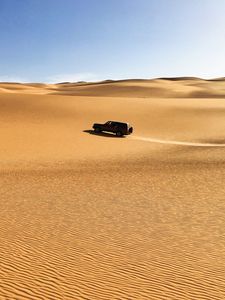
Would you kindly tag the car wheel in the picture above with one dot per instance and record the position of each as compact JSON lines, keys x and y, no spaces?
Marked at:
{"x":119,"y":133}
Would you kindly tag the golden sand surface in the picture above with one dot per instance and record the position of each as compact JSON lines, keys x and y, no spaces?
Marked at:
{"x":87,"y":216}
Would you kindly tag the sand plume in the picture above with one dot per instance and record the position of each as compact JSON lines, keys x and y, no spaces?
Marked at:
{"x":179,"y":143}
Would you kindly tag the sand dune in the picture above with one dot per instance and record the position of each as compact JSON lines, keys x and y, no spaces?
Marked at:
{"x":87,"y":216}
{"x":180,"y":87}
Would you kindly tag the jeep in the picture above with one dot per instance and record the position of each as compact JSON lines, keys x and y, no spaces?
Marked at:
{"x":118,"y":128}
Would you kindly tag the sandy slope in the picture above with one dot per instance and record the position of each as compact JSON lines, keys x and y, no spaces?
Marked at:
{"x":181,"y":87}
{"x":87,"y":216}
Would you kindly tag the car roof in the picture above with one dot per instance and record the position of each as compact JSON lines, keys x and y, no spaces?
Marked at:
{"x":118,"y":122}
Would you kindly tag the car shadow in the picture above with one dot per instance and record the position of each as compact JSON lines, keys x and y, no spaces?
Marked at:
{"x":104,"y":134}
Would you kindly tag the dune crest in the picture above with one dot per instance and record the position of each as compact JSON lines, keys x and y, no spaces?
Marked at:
{"x":178,"y":87}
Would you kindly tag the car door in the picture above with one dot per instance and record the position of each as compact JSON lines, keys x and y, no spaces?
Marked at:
{"x":108,"y":126}
{"x":114,"y":126}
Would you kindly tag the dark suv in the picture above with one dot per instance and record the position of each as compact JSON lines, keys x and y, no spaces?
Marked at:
{"x":118,"y":128}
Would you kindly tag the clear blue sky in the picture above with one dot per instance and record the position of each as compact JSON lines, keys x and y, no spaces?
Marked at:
{"x":72,"y":40}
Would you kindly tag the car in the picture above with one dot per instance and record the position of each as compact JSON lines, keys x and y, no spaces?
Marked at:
{"x":119,"y":128}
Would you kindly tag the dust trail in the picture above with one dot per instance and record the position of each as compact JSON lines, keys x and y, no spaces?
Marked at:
{"x":168,"y":142}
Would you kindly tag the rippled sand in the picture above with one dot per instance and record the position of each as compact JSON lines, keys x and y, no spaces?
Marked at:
{"x":87,"y":216}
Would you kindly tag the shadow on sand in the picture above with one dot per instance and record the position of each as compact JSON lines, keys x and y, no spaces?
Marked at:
{"x":104,"y":134}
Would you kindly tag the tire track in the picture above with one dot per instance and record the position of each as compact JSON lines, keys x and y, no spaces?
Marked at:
{"x":179,"y":143}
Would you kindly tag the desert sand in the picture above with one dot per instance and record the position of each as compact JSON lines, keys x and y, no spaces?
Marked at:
{"x":86,"y":216}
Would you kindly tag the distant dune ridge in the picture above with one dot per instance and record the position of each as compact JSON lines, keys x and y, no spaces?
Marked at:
{"x":177,"y":87}
{"x":96,"y":217}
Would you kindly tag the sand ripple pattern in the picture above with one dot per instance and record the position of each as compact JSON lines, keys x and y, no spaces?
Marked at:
{"x":66,"y":235}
